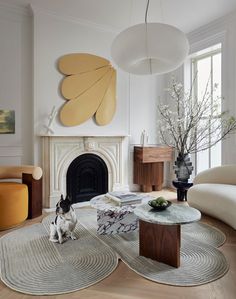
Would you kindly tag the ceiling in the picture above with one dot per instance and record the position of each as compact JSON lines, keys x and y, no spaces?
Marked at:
{"x":186,"y":15}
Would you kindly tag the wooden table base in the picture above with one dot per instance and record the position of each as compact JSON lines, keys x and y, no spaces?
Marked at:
{"x":160,"y":242}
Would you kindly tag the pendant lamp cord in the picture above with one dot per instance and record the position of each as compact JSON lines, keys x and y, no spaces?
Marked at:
{"x":146,"y":11}
{"x":161,"y":9}
{"x":150,"y":60}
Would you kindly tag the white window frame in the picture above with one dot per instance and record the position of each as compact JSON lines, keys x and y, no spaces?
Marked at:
{"x":194,"y":60}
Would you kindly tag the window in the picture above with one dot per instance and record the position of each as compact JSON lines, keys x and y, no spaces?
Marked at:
{"x":206,"y":71}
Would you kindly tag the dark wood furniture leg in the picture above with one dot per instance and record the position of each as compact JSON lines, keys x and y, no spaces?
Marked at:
{"x":35,"y":195}
{"x":146,"y":188}
{"x":158,"y":170}
{"x":149,"y":175}
{"x":160,"y":242}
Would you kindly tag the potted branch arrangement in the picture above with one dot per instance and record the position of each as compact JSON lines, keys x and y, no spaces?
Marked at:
{"x":187,"y":122}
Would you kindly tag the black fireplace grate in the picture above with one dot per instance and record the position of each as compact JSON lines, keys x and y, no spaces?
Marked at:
{"x":87,"y":176}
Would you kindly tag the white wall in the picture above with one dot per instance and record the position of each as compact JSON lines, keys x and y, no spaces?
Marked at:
{"x":29,"y":83}
{"x":137,"y":96}
{"x":53,"y":38}
{"x":145,"y":92}
{"x":16,"y":84}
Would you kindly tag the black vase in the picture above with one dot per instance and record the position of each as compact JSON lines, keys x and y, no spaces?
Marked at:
{"x":183,"y":168}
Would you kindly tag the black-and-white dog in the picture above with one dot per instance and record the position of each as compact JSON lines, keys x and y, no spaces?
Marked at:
{"x":64,"y":224}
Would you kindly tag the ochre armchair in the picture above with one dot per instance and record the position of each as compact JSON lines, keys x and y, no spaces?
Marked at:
{"x":19,"y":200}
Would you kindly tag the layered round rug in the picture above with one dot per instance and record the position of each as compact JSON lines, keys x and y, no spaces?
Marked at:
{"x":31,"y":264}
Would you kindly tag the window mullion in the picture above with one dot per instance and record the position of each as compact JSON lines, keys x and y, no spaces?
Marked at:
{"x":210,"y":128}
{"x":195,"y":75}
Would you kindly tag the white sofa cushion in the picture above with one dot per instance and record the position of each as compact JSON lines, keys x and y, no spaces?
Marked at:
{"x":225,"y":174}
{"x":217,"y":200}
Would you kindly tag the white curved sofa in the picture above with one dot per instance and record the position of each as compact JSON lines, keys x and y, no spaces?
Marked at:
{"x":214,"y":193}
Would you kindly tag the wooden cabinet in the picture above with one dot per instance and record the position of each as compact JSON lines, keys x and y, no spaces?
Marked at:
{"x":149,"y":164}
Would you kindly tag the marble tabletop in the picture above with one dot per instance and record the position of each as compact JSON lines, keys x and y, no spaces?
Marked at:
{"x":175,"y":214}
{"x":101,"y":202}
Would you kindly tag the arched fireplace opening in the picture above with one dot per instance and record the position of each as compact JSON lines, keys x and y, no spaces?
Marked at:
{"x":87,"y":176}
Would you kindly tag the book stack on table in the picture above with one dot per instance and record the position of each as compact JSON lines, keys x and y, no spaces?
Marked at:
{"x":123,"y":198}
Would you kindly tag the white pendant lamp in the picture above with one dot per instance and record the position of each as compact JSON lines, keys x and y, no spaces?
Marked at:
{"x":150,"y":48}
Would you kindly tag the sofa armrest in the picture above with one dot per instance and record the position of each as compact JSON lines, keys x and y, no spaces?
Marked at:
{"x":225,"y":174}
{"x":15,"y":172}
{"x":32,"y":177}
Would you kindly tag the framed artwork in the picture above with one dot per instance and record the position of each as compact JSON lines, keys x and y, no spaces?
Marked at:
{"x":7,"y":122}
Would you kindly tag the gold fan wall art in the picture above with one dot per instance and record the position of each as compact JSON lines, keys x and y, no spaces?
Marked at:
{"x":89,"y":88}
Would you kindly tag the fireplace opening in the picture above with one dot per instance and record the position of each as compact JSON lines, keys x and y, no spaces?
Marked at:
{"x":87,"y":176}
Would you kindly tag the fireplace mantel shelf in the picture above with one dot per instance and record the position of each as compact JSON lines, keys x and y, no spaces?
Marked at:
{"x":76,"y":136}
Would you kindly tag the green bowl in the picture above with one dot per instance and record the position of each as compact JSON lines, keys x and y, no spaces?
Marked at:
{"x":159,"y":208}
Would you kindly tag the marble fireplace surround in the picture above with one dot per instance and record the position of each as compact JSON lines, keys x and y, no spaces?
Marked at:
{"x":60,"y":151}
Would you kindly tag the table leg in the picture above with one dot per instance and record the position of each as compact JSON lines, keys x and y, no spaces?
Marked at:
{"x":160,"y":242}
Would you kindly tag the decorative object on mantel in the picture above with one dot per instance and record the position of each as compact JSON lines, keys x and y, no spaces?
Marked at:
{"x":150,"y":48}
{"x":181,"y":125}
{"x":144,"y":138}
{"x":51,"y":118}
{"x":7,"y":121}
{"x":89,"y":88}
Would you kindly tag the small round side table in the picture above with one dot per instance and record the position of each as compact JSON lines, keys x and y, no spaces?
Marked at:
{"x":182,"y":189}
{"x":160,"y":232}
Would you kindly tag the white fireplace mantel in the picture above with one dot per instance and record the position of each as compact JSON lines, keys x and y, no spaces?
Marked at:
{"x":60,"y":151}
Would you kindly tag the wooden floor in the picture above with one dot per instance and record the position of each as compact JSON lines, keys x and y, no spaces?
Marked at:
{"x":123,"y":283}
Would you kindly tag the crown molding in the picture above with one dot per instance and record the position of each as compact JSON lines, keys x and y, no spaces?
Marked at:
{"x":103,"y":28}
{"x":218,"y":26}
{"x":207,"y":41}
{"x":15,"y":9}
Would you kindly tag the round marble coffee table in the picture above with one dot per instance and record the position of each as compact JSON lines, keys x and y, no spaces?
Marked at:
{"x":159,"y":231}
